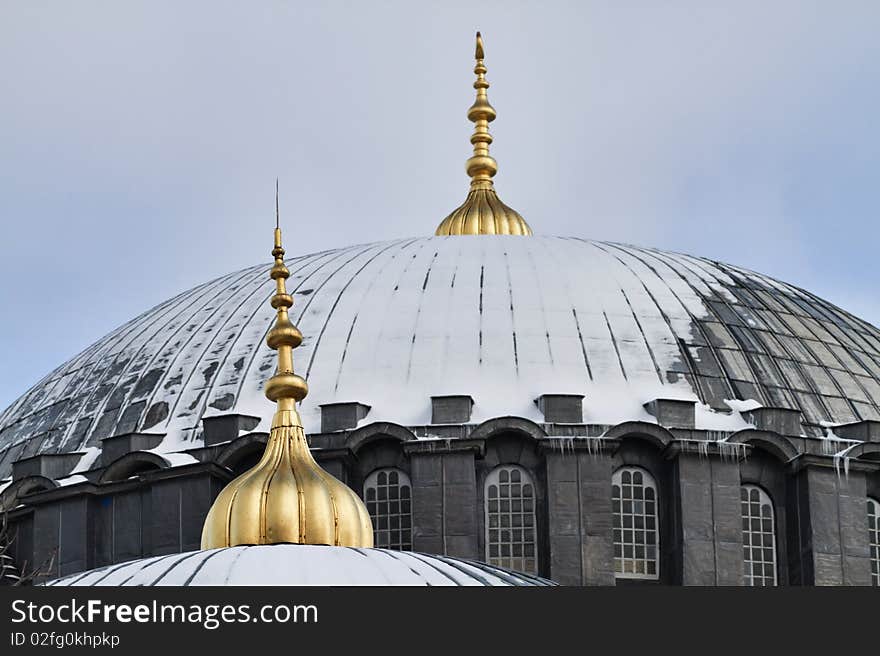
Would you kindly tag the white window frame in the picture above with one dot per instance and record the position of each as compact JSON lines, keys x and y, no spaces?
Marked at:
{"x":747,"y":515}
{"x":403,"y":481}
{"x":874,"y":539}
{"x":644,"y":516}
{"x":512,"y":516}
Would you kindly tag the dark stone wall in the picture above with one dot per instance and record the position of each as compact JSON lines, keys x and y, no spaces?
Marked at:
{"x":834,"y":539}
{"x":460,"y":524}
{"x":75,"y":538}
{"x":444,"y":509}
{"x":428,"y":502}
{"x":89,"y":527}
{"x":579,"y":518}
{"x":820,"y":512}
{"x":708,"y":539}
{"x":46,"y":537}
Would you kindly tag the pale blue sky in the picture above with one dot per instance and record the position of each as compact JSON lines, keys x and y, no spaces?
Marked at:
{"x":139,"y":142}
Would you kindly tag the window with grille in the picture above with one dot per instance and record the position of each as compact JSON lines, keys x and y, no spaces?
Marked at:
{"x":388,"y":495}
{"x":511,"y":528}
{"x":874,"y":539}
{"x":759,"y":537}
{"x":636,"y":527}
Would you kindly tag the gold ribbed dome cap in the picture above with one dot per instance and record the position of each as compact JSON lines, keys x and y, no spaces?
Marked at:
{"x":286,"y":496}
{"x":482,"y":212}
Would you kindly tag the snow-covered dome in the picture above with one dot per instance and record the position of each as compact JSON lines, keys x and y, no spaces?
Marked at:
{"x":300,"y":564}
{"x":503,"y":319}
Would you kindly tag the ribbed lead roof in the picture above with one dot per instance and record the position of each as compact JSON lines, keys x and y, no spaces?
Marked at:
{"x":300,"y":564}
{"x":502,"y":319}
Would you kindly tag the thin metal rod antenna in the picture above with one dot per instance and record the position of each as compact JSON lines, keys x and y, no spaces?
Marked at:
{"x":277,"y":213}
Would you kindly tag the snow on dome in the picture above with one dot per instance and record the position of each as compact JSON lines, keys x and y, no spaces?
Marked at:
{"x":300,"y":564}
{"x":502,"y":319}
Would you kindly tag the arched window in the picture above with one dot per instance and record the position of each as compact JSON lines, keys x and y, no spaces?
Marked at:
{"x":874,"y":538}
{"x":511,"y":529}
{"x":636,"y":528}
{"x":759,"y":537}
{"x":388,"y":494}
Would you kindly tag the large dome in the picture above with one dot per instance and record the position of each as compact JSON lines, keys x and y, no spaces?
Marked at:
{"x":502,"y":319}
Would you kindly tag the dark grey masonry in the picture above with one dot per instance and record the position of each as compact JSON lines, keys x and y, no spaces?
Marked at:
{"x":138,"y":504}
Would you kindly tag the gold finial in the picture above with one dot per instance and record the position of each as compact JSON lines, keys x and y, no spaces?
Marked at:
{"x":482,"y":212}
{"x":286,"y":496}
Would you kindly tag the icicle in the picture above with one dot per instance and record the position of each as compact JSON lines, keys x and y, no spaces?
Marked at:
{"x":715,"y":435}
{"x":703,"y":448}
{"x":842,"y":456}
{"x":828,"y":446}
{"x":567,"y":441}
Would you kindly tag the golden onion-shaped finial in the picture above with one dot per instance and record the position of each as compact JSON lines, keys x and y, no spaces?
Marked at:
{"x":286,"y":496}
{"x":482,"y":212}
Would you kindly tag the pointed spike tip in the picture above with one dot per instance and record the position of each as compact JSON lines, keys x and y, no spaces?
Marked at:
{"x":479,"y":53}
{"x":277,"y":213}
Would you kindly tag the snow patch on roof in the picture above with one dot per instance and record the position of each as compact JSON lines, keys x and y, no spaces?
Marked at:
{"x":708,"y":419}
{"x":175,"y":459}
{"x":89,"y":457}
{"x":72,"y":480}
{"x":743,"y":406}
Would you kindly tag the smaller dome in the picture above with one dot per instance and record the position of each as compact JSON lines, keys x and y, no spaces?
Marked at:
{"x":300,"y":564}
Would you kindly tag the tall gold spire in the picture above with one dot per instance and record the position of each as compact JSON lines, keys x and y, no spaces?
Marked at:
{"x":286,"y":496}
{"x":482,"y":212}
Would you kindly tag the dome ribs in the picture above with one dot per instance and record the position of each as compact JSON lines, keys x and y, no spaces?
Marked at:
{"x":418,"y":312}
{"x":183,"y":362}
{"x":394,"y":364}
{"x":805,"y":407}
{"x":635,"y":314}
{"x":257,"y":335}
{"x":148,"y":322}
{"x":654,"y":276}
{"x":565,"y":285}
{"x":367,"y":298}
{"x":698,"y":339}
{"x":196,"y":350}
{"x":815,"y":405}
{"x":446,"y":321}
{"x":83,"y":374}
{"x":370,"y":260}
{"x":290,"y":564}
{"x":512,"y":313}
{"x":683,"y":340}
